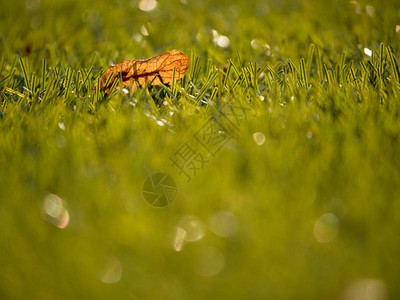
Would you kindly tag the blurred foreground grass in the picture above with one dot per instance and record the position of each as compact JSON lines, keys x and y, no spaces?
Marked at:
{"x":301,"y":203}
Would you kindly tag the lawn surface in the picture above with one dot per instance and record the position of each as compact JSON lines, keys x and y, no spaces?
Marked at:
{"x":283,"y":142}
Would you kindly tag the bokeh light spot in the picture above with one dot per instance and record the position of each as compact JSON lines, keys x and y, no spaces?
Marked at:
{"x":179,"y":239}
{"x":195,"y":229}
{"x":259,"y":138}
{"x":223,"y":41}
{"x":55,"y":211}
{"x":365,"y":289}
{"x":326,"y":228}
{"x":112,"y":271}
{"x":147,"y":5}
{"x":209,"y":262}
{"x":224,"y":224}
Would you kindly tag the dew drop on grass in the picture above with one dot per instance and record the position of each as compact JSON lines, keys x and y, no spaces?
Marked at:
{"x":368,"y":52}
{"x":223,"y":41}
{"x":259,"y":138}
{"x":326,"y":228}
{"x":397,"y":28}
{"x":147,"y":5}
{"x":61,"y":125}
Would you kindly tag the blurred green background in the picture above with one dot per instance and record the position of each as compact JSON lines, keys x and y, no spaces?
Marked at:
{"x":301,"y":203}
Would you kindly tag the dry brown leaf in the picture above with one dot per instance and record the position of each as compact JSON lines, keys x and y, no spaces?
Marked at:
{"x":154,"y":71}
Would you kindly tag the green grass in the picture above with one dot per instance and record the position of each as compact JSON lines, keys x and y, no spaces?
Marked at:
{"x":295,"y":71}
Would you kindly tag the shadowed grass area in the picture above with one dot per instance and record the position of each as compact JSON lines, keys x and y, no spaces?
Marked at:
{"x":289,"y":116}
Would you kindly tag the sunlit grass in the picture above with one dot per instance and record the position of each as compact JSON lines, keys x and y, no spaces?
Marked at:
{"x":301,"y":202}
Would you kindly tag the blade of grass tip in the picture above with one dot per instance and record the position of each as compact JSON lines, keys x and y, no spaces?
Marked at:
{"x":238,"y":73}
{"x":189,"y":97}
{"x":33,"y":84}
{"x":78,"y":82}
{"x":97,"y":94}
{"x":106,"y":84}
{"x":381,"y":60}
{"x":292,"y":68}
{"x":209,"y":66}
{"x":364,"y":67}
{"x":250,"y":75}
{"x":193,"y":62}
{"x":338,"y":74}
{"x":246,"y":76}
{"x":57,"y":76}
{"x":2,"y":81}
{"x":326,"y":72}
{"x":303,"y":72}
{"x":195,"y":71}
{"x":238,"y":57}
{"x":113,"y":89}
{"x":49,"y":89}
{"x":364,"y":79}
{"x":341,"y":71}
{"x":205,"y":88}
{"x":53,"y":55}
{"x":353,"y":76}
{"x":236,"y":83}
{"x":91,"y":63}
{"x":219,"y":86}
{"x":12,"y":72}
{"x":227,"y":73}
{"x":67,"y":82}
{"x":44,"y":71}
{"x":310,"y":58}
{"x":269,"y":74}
{"x":69,"y":58}
{"x":184,"y":82}
{"x":173,"y":84}
{"x":342,"y":61}
{"x":255,"y":77}
{"x":319,"y":64}
{"x":214,"y":92}
{"x":14,"y":92}
{"x":372,"y":68}
{"x":86,"y":75}
{"x":394,"y":64}
{"x":170,"y":95}
{"x":22,"y":63}
{"x":2,"y":64}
